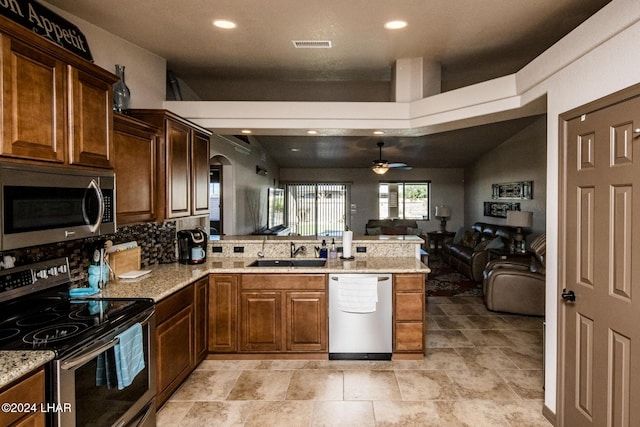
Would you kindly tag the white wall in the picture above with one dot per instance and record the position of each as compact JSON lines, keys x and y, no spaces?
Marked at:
{"x":145,"y":72}
{"x":523,"y":157}
{"x":447,"y":187}
{"x":240,"y":177}
{"x":601,"y":56}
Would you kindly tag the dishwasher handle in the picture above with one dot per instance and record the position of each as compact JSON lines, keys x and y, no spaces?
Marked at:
{"x":380,"y":279}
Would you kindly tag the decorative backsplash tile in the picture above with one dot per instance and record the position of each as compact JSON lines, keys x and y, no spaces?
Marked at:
{"x":157,"y":242}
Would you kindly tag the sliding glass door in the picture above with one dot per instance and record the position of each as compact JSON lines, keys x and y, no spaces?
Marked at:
{"x":317,"y":209}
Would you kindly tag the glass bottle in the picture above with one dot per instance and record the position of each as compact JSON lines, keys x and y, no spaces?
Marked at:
{"x":121,"y":94}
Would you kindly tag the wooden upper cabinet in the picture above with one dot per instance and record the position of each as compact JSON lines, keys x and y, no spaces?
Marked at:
{"x":183,"y":164}
{"x":200,"y":174}
{"x":56,"y":106}
{"x":33,"y":103}
{"x":178,"y":141}
{"x":90,"y":114}
{"x":134,"y":162}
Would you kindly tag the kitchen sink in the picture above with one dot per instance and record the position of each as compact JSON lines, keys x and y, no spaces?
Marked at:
{"x":288,"y":263}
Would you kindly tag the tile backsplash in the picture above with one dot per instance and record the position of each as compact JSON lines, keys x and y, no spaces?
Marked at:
{"x":156,"y":240}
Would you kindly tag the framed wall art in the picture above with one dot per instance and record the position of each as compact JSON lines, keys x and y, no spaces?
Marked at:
{"x":499,"y":209}
{"x":513,"y":190}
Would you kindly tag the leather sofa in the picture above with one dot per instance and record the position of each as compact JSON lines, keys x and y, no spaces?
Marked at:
{"x":468,"y":251}
{"x":393,"y":227}
{"x":517,"y":285}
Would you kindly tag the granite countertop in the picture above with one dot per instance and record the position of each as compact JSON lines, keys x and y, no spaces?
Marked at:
{"x":15,"y":364}
{"x":382,"y":238}
{"x":165,"y":279}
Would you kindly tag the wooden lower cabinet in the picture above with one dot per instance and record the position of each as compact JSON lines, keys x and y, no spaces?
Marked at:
{"x":28,"y":390}
{"x":268,"y":313}
{"x":409,"y":313}
{"x":201,"y":319}
{"x":181,"y":337}
{"x":223,"y":313}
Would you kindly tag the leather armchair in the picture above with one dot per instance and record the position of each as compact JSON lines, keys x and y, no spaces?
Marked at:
{"x":517,"y":285}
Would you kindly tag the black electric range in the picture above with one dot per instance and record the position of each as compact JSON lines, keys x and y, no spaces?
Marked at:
{"x":39,"y":314}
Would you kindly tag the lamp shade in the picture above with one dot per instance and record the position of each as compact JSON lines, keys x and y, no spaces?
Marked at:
{"x":443,"y":211}
{"x":522,"y":219}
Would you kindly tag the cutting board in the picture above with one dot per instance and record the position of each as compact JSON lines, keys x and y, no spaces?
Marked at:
{"x":124,"y":261}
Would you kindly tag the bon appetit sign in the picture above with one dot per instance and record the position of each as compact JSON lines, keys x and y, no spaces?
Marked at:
{"x":44,"y":22}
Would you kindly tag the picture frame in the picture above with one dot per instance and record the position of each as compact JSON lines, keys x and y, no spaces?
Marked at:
{"x":499,"y":209}
{"x":522,"y":190}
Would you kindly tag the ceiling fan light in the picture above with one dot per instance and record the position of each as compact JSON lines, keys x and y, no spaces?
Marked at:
{"x":380,"y":168}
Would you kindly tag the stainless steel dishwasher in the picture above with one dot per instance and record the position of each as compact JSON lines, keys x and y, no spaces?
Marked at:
{"x":360,"y":328}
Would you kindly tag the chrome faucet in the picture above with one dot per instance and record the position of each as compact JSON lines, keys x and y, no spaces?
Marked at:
{"x":295,"y":251}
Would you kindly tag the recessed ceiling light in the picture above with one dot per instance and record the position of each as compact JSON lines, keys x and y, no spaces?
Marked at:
{"x":395,"y":25}
{"x":312,"y":132}
{"x":378,"y":132}
{"x":245,"y":131}
{"x":295,"y":149}
{"x":223,"y":23}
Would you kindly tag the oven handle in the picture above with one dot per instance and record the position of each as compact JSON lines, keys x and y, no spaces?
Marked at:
{"x":85,"y":357}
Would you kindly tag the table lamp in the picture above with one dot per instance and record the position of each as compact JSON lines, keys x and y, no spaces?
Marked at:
{"x":519,"y":220}
{"x":443,"y":213}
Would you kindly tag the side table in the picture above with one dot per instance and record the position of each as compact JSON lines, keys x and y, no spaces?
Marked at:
{"x":437,"y":237}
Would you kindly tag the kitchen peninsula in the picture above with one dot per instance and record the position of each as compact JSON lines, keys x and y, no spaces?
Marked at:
{"x":225,"y":308}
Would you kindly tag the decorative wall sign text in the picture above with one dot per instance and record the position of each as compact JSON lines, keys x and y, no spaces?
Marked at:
{"x":513,"y":190}
{"x":42,"y":21}
{"x":499,"y":209}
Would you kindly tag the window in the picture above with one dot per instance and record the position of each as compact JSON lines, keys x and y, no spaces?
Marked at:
{"x":406,"y":200}
{"x":317,"y":209}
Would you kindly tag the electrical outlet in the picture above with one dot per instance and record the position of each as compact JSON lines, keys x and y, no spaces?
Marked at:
{"x":361,"y":249}
{"x":216,"y":249}
{"x":238,"y":249}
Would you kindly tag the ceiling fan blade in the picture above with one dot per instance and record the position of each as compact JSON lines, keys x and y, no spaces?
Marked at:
{"x":398,"y":165}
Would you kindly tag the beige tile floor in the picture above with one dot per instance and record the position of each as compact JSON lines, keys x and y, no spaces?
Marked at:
{"x":480,"y":369}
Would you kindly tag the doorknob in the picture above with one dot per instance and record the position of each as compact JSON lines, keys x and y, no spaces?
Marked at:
{"x":569,"y":296}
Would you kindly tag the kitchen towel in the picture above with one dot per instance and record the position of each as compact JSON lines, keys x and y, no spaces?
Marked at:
{"x":105,"y":370}
{"x":129,"y":355}
{"x":357,"y":294}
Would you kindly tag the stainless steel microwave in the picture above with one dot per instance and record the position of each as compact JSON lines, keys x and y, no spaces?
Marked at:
{"x":42,"y":205}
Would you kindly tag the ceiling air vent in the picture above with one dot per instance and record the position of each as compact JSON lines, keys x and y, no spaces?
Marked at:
{"x":311,"y":44}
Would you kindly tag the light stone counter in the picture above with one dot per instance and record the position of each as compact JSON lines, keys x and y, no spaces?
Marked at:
{"x":165,"y":279}
{"x":15,"y":364}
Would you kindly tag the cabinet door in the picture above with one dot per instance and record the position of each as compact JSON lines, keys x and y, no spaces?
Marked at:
{"x":261,"y":329}
{"x":33,"y":103}
{"x":178,"y":140}
{"x":223,"y":313}
{"x":134,"y":162}
{"x":91,"y":115}
{"x":306,"y":321}
{"x":28,"y":390}
{"x":200,"y":174}
{"x":174,"y":351}
{"x":200,"y":295}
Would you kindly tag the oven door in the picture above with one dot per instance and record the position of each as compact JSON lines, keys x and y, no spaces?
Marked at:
{"x":86,"y":390}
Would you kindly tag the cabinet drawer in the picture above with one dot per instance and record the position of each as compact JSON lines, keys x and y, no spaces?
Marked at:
{"x":283,"y":281}
{"x":409,"y":306}
{"x":173,"y":304}
{"x":408,"y":282}
{"x":409,"y":337}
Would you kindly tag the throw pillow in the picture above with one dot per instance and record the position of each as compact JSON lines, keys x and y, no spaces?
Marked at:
{"x":458,"y":237}
{"x":373,"y":231}
{"x":414,"y":231}
{"x":496,"y":243}
{"x":470,"y":239}
{"x":482,"y":245}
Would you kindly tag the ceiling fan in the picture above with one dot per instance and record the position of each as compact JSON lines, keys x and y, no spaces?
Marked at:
{"x":381,"y":166}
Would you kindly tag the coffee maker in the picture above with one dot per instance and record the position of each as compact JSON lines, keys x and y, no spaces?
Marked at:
{"x":192,"y":246}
